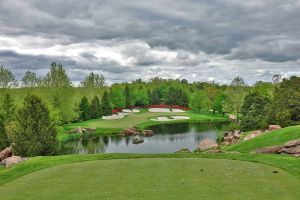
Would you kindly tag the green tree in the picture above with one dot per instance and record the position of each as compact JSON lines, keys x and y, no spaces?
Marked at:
{"x":127,"y":96}
{"x":255,"y":112}
{"x":96,"y":110}
{"x":4,"y":141}
{"x":106,"y":104}
{"x":117,"y":97}
{"x":286,"y":102}
{"x":199,"y":101}
{"x":84,"y":109}
{"x":218,"y":104}
{"x":176,"y":96}
{"x":34,"y":133}
{"x":154,"y":97}
{"x":141,"y":97}
{"x":7,"y":79}
{"x":57,"y":77}
{"x":30,"y":80}
{"x":93,"y":81}
{"x":8,"y":109}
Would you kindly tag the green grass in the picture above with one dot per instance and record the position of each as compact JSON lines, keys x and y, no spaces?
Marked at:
{"x":166,"y":178}
{"x":277,"y":137}
{"x":141,"y":120}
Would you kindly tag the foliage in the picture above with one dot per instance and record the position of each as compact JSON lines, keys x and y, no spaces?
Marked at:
{"x":106,"y":104}
{"x":7,"y":79}
{"x":93,"y":81}
{"x":176,"y":96}
{"x":255,"y":112}
{"x":286,"y":102}
{"x":117,"y":97}
{"x":199,"y":101}
{"x":218,"y":104}
{"x":30,"y":79}
{"x":8,"y":109}
{"x":4,"y":141}
{"x":141,"y":97}
{"x":96,"y":110}
{"x":84,"y":109}
{"x":57,"y":77}
{"x":34,"y":133}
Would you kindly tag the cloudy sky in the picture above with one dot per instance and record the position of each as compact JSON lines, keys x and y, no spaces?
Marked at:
{"x":198,"y":40}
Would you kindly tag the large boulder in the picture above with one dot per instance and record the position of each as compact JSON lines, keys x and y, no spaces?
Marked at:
{"x":232,"y":137}
{"x":130,"y":131}
{"x":272,"y":149}
{"x":5,"y":153}
{"x":292,"y":143}
{"x":207,"y":144}
{"x":148,"y":133}
{"x":137,"y":140}
{"x":253,"y":135}
{"x":291,"y":150}
{"x":89,"y":129}
{"x":12,"y":160}
{"x":274,"y":127}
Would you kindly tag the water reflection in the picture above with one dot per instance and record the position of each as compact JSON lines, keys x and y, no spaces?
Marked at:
{"x":168,"y":138}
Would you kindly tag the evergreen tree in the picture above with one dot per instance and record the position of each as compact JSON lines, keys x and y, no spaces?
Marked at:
{"x":155,"y":99}
{"x":96,"y":110}
{"x":8,"y":109}
{"x":106,"y":104}
{"x":142,"y":98}
{"x":127,"y":96}
{"x":84,"y":109}
{"x":34,"y":133}
{"x":4,"y":141}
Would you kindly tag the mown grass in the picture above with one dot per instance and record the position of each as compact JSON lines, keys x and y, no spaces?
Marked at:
{"x":140,"y":120}
{"x":156,"y":178}
{"x":277,"y":137}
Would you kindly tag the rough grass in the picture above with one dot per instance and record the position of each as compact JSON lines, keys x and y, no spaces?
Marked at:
{"x":161,"y":178}
{"x":277,"y":137}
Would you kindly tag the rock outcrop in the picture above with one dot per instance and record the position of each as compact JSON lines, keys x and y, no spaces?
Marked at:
{"x":5,"y":153}
{"x":207,"y":144}
{"x":291,"y":148}
{"x":274,"y":127}
{"x":137,"y":140}
{"x":8,"y":162}
{"x":271,"y":149}
{"x":232,"y":137}
{"x":148,"y":133}
{"x":253,"y":135}
{"x":130,"y":132}
{"x":80,"y":130}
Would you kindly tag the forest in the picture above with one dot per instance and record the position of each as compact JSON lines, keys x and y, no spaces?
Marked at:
{"x":57,"y":101}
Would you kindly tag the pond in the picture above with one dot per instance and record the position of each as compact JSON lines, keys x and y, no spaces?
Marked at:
{"x":167,"y":138}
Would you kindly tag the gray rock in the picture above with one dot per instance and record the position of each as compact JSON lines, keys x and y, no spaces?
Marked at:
{"x":292,"y":143}
{"x":271,"y":149}
{"x":207,"y":144}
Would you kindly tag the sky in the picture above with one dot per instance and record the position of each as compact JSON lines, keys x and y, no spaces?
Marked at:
{"x":197,"y":40}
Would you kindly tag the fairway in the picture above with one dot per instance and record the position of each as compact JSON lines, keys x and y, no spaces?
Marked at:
{"x":157,"y":178}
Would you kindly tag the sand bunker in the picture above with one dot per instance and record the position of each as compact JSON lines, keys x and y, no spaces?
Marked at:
{"x":114,"y":116}
{"x":172,"y":118}
{"x":161,"y":110}
{"x":130,"y":110}
{"x":178,"y":110}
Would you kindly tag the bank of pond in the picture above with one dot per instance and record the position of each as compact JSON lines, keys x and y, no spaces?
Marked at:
{"x":167,"y":138}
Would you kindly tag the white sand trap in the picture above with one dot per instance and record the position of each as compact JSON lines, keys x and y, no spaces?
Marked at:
{"x":159,"y":110}
{"x":178,"y":110}
{"x":180,"y":117}
{"x":161,"y":119}
{"x":130,"y":110}
{"x":173,"y":118}
{"x":113,"y":117}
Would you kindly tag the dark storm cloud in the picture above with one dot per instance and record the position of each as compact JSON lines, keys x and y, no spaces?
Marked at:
{"x":153,"y":38}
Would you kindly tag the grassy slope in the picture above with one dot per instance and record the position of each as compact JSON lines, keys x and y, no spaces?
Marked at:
{"x":270,"y":139}
{"x":166,"y":179}
{"x":140,"y":120}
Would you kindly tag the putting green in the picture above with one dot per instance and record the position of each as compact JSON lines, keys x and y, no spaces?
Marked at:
{"x":156,"y":178}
